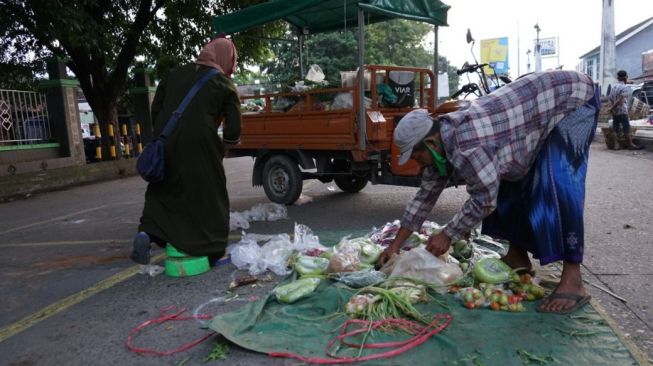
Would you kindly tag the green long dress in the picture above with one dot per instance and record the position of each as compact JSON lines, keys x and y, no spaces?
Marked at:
{"x":190,"y":207}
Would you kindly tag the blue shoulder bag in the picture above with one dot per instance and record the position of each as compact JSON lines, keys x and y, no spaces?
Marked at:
{"x":151,"y":162}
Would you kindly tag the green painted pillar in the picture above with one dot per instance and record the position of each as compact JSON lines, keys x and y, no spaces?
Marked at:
{"x":63,"y":110}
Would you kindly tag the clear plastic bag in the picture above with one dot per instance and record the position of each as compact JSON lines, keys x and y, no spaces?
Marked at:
{"x":237,"y":220}
{"x":421,"y":264}
{"x":343,"y":101}
{"x":266,"y":212}
{"x":273,"y":255}
{"x":315,"y":74}
{"x":361,"y":279}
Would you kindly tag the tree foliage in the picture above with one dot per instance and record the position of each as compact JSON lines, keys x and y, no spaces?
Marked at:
{"x":396,"y":42}
{"x":100,"y":39}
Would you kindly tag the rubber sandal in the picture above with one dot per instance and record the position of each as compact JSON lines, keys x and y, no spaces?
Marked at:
{"x":141,"y":249}
{"x":579,"y":299}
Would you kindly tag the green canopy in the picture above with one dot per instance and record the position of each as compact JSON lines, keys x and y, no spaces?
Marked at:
{"x":317,"y":16}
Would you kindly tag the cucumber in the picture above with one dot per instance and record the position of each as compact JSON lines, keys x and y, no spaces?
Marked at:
{"x":492,"y":270}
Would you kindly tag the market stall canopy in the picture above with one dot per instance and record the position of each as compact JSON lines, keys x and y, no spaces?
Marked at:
{"x":317,"y":16}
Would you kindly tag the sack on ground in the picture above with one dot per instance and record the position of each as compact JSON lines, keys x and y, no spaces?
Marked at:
{"x":151,"y":162}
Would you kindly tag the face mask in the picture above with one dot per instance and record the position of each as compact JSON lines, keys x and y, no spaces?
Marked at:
{"x":439,"y":161}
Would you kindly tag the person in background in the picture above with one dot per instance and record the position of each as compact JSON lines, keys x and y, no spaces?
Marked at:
{"x":190,"y":207}
{"x":619,"y":96}
{"x":522,"y":152}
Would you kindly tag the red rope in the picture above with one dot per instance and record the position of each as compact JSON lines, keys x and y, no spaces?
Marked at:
{"x":420,"y":335}
{"x":164,"y":317}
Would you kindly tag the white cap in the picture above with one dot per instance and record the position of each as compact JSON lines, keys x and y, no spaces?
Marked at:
{"x":412,"y":129}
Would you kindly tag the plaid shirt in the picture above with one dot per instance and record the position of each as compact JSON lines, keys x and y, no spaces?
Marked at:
{"x":497,"y":138}
{"x":620,"y":90}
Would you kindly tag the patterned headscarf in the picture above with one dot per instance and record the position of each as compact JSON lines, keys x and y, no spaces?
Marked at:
{"x":221,"y":54}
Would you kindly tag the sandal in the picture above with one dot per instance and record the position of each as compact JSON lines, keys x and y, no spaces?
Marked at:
{"x":579,"y":299}
{"x":141,"y":249}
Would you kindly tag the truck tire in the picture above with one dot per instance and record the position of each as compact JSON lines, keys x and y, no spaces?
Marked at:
{"x":282,"y":180}
{"x":350,"y":183}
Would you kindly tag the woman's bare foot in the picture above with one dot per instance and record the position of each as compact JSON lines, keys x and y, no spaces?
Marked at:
{"x":570,"y":293}
{"x":517,"y":258}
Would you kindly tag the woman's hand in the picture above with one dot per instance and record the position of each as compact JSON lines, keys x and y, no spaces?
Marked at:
{"x":438,"y":244}
{"x":388,"y":253}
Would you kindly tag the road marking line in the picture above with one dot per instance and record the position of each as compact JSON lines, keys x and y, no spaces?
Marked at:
{"x":82,"y":242}
{"x":59,"y":306}
{"x":52,"y":219}
{"x":68,"y":242}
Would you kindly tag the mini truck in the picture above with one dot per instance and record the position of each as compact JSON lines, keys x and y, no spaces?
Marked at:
{"x":336,"y":134}
{"x":321,"y":140}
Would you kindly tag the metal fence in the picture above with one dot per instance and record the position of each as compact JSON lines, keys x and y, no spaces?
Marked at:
{"x":23,"y":118}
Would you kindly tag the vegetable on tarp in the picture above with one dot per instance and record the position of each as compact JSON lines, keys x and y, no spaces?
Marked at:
{"x":295,"y":290}
{"x":305,"y":265}
{"x":462,"y":250}
{"x":492,"y":270}
{"x":361,"y":278}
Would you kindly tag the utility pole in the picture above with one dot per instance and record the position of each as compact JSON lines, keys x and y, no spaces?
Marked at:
{"x":518,"y":52}
{"x":538,"y":54}
{"x":608,"y":53}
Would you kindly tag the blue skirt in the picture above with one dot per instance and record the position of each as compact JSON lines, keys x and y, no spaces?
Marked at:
{"x":543,"y":212}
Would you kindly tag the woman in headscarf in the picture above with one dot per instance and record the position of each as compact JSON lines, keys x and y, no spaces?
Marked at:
{"x":190,"y":207}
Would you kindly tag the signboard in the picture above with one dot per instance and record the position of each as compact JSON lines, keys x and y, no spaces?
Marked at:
{"x":647,"y":61}
{"x":548,"y":46}
{"x":495,"y":52}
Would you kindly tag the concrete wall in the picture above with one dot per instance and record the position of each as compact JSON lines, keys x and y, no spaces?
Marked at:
{"x":62,"y":175}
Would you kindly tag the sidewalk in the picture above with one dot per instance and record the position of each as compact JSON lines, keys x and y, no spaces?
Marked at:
{"x":26,"y":184}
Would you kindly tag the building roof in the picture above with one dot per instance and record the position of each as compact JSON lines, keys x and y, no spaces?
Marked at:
{"x":623,"y":36}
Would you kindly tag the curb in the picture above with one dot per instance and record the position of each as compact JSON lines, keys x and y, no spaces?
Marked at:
{"x":25,"y":184}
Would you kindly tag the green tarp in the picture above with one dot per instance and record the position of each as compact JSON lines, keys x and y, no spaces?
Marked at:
{"x":474,"y":337}
{"x":316,"y":16}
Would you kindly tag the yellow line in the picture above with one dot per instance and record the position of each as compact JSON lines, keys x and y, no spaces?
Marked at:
{"x":59,"y":306}
{"x":637,"y":354}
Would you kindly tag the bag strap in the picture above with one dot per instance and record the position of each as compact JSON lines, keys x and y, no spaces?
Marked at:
{"x":172,"y":121}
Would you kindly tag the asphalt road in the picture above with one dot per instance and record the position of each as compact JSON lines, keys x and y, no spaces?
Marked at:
{"x":69,"y":296}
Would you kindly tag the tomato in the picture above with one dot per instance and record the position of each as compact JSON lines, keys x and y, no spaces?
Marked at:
{"x":470,"y":305}
{"x":526,"y":278}
{"x":495,"y":306}
{"x":513,"y":299}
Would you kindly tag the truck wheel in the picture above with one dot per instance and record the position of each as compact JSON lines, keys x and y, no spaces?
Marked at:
{"x":350,"y":183}
{"x":282,"y":180}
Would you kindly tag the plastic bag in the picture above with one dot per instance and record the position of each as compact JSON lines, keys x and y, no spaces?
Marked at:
{"x":266,"y":212}
{"x":361,"y":279}
{"x":273,"y":255}
{"x":304,"y":239}
{"x":421,"y":264}
{"x":295,"y":290}
{"x":346,"y":261}
{"x":315,"y":74}
{"x":343,"y":101}
{"x":238,"y":220}
{"x":305,"y":265}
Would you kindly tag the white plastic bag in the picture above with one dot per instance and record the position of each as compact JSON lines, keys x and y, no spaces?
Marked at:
{"x":266,"y":212}
{"x":237,"y":220}
{"x":421,"y":264}
{"x":315,"y":74}
{"x":273,"y":255}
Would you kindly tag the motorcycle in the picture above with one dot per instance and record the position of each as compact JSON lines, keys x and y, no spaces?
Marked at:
{"x":485,"y":84}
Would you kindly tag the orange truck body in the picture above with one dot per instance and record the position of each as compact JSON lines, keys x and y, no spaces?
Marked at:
{"x":325,"y":143}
